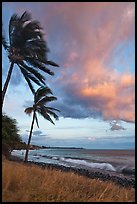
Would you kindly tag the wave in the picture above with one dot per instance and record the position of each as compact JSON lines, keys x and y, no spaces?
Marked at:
{"x":126,"y":170}
{"x":69,"y":161}
{"x":75,"y":162}
{"x":105,"y":166}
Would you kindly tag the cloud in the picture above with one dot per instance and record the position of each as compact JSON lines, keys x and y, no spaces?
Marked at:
{"x":105,"y":94}
{"x":92,"y":138}
{"x":115,"y":126}
{"x":36,"y":136}
{"x":69,"y":127}
{"x":37,"y":133}
{"x":74,"y":111}
{"x":99,"y":143}
{"x":88,"y":85}
{"x":84,"y":39}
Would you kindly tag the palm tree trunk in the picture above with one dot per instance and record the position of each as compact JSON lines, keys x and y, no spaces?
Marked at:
{"x":7,"y":82}
{"x":30,"y":135}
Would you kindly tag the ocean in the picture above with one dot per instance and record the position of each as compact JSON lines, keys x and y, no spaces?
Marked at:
{"x":119,"y":161}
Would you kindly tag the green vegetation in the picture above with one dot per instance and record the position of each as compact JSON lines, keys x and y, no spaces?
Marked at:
{"x":10,"y":135}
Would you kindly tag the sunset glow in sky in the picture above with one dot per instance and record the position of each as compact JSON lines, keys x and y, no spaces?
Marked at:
{"x":94,"y":44}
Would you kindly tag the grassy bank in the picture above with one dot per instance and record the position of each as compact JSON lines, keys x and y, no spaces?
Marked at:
{"x":24,"y":183}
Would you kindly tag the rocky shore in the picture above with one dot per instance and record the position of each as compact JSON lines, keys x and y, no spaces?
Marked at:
{"x":120,"y":179}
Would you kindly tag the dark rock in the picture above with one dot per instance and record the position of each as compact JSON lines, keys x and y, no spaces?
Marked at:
{"x":123,"y":181}
{"x":128,"y":171}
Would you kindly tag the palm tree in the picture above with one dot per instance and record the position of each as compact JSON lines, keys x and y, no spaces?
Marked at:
{"x":27,"y":49}
{"x":41,"y":99}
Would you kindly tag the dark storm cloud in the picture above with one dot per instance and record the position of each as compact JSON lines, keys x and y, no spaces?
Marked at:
{"x":71,"y":110}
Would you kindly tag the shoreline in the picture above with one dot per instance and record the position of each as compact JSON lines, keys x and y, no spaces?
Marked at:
{"x":120,"y":179}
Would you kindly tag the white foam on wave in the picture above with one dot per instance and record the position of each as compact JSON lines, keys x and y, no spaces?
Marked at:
{"x":55,"y":158}
{"x":64,"y":161}
{"x":105,"y":166}
{"x":18,"y":152}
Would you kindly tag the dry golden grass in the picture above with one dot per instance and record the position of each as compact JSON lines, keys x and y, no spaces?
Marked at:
{"x":22,"y":183}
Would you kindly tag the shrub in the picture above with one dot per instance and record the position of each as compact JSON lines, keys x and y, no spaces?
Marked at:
{"x":10,"y":136}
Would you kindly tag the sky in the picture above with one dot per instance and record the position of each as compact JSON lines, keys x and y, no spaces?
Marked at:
{"x":94,"y":45}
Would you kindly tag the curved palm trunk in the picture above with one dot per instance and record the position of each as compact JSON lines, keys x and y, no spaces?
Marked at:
{"x":7,"y":82}
{"x":30,"y":135}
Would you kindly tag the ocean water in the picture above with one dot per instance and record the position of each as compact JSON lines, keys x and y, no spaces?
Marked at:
{"x":110,"y":160}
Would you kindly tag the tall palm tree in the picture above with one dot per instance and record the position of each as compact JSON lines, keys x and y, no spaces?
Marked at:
{"x":27,"y":49}
{"x":41,"y":99}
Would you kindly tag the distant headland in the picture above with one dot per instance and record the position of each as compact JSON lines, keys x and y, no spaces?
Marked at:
{"x":32,"y":147}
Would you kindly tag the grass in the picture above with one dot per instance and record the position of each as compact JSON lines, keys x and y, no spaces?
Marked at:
{"x":30,"y":183}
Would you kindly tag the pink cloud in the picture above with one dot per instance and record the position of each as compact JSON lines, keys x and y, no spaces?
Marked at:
{"x":84,"y":35}
{"x":97,"y":34}
{"x":104,"y":90}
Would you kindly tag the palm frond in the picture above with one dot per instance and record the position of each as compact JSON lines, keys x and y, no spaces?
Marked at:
{"x":42,"y":112}
{"x":33,"y":54}
{"x":46,"y":99}
{"x":30,"y":85}
{"x":28,"y":81}
{"x":52,"y":63}
{"x":37,"y":43}
{"x":32,"y":26}
{"x":30,"y":35}
{"x":36,"y":63}
{"x":32,"y":31}
{"x":30,"y":76}
{"x":34,"y":72}
{"x":54,"y":109}
{"x":52,"y":113}
{"x":12,"y":23}
{"x":41,"y":92}
{"x":22,"y":29}
{"x":29,"y":110}
{"x":26,"y":16}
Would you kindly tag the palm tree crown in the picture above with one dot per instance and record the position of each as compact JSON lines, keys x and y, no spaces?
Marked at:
{"x":41,"y":98}
{"x":28,"y":49}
